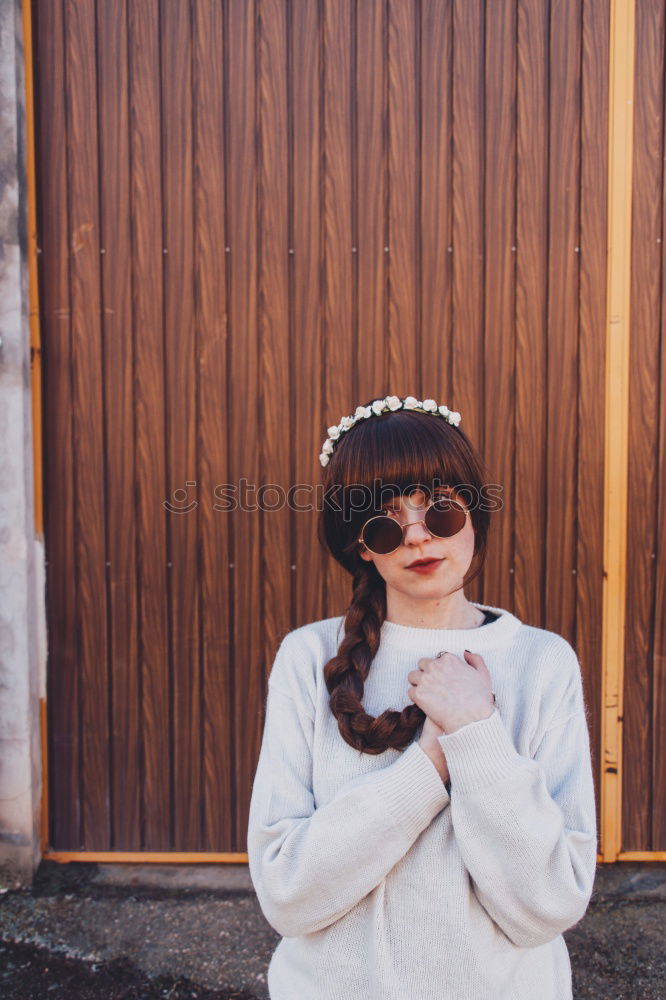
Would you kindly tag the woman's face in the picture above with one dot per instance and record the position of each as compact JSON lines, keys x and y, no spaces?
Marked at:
{"x":456,"y":552}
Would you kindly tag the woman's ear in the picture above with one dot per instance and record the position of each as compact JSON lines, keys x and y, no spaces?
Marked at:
{"x":363,"y":552}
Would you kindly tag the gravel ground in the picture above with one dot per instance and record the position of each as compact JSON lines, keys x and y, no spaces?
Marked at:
{"x":136,"y":932}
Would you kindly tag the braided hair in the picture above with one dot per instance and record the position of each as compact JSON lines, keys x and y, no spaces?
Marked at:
{"x":405,"y":450}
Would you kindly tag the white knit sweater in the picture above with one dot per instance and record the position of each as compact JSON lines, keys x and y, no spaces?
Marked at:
{"x":385,"y":887}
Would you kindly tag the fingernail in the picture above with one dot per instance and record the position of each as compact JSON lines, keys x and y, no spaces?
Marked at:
{"x":468,"y":650}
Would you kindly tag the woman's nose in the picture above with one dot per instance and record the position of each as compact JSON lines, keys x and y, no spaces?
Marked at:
{"x":415,"y":531}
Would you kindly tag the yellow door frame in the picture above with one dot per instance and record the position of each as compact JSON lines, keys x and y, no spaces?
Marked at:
{"x":616,"y":423}
{"x":618,"y":288}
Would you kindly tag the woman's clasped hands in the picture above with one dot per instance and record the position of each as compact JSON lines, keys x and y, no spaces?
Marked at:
{"x":452,"y":693}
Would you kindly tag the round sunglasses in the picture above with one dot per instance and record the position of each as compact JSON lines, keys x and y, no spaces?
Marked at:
{"x":443,"y":518}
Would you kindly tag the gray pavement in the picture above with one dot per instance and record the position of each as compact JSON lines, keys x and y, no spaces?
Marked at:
{"x":196,"y":931}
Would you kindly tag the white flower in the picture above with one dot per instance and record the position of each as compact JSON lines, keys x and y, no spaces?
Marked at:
{"x":377,"y":407}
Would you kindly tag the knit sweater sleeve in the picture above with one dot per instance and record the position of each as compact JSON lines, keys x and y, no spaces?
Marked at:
{"x":310,"y":865}
{"x":526,"y":826}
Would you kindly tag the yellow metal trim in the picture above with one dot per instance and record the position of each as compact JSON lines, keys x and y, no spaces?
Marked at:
{"x":44,"y":817}
{"x":618,"y":277}
{"x":192,"y":857}
{"x":33,"y":279}
{"x":145,"y":857}
{"x":35,"y":364}
{"x":642,"y":856}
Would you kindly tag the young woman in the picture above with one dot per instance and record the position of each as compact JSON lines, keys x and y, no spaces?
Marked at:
{"x":422,"y":822}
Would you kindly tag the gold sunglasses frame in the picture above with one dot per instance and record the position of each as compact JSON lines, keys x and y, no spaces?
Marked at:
{"x":407,"y":524}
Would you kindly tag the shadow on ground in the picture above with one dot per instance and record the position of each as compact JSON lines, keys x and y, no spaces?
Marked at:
{"x":195,"y":932}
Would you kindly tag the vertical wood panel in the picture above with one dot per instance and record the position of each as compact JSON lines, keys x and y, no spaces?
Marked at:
{"x":210,"y":260}
{"x":658,"y":652}
{"x":531,"y":291}
{"x":305,"y":89}
{"x":435,"y":208}
{"x":152,"y":489}
{"x":89,"y":421}
{"x":403,"y":192}
{"x":641,"y":723}
{"x":594,"y":248}
{"x":125,"y":779}
{"x":339,"y":256}
{"x":276,"y":381}
{"x":499,"y":387}
{"x":371,"y":209}
{"x":63,"y":672}
{"x":562,"y":357}
{"x":468,"y":215}
{"x":182,"y":416}
{"x":244,"y":401}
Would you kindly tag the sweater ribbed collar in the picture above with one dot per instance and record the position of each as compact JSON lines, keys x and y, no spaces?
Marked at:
{"x":481,"y":637}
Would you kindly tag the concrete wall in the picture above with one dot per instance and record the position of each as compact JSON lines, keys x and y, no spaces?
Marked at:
{"x":22,"y":608}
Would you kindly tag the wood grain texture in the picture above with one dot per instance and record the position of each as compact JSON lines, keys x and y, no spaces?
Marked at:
{"x":89,"y":422}
{"x":277,"y":386}
{"x":468,"y":198}
{"x":435,"y":271}
{"x":152,"y":488}
{"x":53,"y":237}
{"x":214,"y":538}
{"x":643,"y":825}
{"x":403,"y":193}
{"x":306,"y":270}
{"x":340,"y":245}
{"x":117,"y":373}
{"x":244,"y":402}
{"x":530,"y":495}
{"x":499,"y":383}
{"x":658,"y":652}
{"x":182,"y":416}
{"x":563,"y":388}
{"x":244,"y":166}
{"x":591,"y":357}
{"x":370,"y":368}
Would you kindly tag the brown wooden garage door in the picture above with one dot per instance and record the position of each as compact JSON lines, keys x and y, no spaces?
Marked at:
{"x":254,"y":214}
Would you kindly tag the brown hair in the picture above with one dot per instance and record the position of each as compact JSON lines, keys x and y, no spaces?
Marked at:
{"x":397,"y":452}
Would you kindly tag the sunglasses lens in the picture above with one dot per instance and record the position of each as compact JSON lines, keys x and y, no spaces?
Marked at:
{"x":446,"y":517}
{"x":382,"y":535}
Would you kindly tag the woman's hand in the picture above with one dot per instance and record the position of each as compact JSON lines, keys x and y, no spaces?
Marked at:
{"x":452,"y":692}
{"x":430,"y":746}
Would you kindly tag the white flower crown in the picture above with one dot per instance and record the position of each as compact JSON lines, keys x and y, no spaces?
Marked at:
{"x":380,"y":406}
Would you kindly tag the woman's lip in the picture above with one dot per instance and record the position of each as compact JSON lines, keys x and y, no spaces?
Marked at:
{"x":424,"y":567}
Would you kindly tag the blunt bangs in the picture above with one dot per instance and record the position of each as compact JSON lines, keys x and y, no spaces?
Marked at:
{"x":398,"y":453}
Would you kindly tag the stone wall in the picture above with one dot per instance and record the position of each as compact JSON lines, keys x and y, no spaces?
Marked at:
{"x":22,"y":610}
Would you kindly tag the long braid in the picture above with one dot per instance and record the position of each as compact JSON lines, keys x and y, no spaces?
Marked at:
{"x":346,"y":672}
